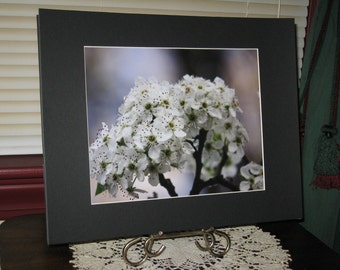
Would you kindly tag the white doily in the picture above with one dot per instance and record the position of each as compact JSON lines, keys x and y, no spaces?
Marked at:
{"x":251,"y":248}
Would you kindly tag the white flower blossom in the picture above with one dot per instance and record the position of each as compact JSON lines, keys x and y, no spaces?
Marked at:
{"x":158,"y":129}
{"x":253,"y":176}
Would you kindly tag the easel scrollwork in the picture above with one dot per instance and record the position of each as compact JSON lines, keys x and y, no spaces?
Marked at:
{"x":208,"y":245}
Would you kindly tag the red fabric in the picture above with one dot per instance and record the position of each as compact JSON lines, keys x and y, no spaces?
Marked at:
{"x":311,"y":9}
{"x":327,"y":181}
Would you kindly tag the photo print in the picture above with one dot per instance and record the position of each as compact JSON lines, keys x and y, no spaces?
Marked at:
{"x":169,"y":122}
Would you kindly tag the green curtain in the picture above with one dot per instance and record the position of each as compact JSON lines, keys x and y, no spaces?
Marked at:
{"x":321,"y":206}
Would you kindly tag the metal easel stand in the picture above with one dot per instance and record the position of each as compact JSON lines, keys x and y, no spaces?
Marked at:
{"x":208,"y":236}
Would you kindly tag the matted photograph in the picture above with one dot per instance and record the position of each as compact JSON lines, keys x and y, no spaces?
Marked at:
{"x":166,"y":123}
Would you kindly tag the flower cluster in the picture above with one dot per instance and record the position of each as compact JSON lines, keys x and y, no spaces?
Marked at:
{"x":162,"y":126}
{"x":252,"y":175}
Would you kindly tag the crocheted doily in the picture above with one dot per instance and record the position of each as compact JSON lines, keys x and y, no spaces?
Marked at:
{"x":251,"y":248}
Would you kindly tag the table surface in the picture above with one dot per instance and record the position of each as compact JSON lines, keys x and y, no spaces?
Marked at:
{"x":23,"y":246}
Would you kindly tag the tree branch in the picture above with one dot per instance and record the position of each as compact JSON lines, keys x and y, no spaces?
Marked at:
{"x":167,"y":184}
{"x":220,"y":180}
{"x":223,"y":161}
{"x":197,"y":184}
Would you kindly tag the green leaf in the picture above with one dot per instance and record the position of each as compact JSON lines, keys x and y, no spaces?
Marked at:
{"x":100,"y":189}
